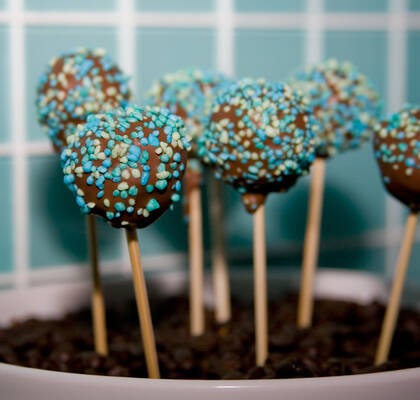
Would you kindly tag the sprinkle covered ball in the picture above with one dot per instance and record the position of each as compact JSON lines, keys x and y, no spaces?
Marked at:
{"x":259,"y":138}
{"x":126,"y":166}
{"x":345,"y":104}
{"x":397,"y":150}
{"x":77,"y":84}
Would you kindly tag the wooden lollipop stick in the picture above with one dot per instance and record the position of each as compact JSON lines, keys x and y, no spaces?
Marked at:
{"x":195,"y":238}
{"x":260,"y":288}
{"x":143,"y":309}
{"x":98,"y":304}
{"x":219,"y":262}
{"x":311,"y":244}
{"x":391,"y":314}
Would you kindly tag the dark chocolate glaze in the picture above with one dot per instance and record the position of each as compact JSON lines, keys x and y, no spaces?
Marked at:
{"x":397,"y":150}
{"x":139,"y":178}
{"x":75,"y":85}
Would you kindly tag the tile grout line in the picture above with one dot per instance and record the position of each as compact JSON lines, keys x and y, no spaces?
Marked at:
{"x":314,"y":51}
{"x":225,"y":37}
{"x":396,"y":96}
{"x":278,"y":20}
{"x":127,"y":55}
{"x":20,"y":195}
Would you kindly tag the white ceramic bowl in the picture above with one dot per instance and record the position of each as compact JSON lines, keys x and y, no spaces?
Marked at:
{"x":17,"y":383}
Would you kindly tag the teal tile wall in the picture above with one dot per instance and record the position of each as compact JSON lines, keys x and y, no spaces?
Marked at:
{"x":178,"y":6}
{"x":178,"y":48}
{"x":353,"y":205}
{"x":354,"y":201}
{"x":70,"y":5}
{"x":3,"y":4}
{"x":43,"y":43}
{"x":366,"y":49}
{"x":413,"y":81}
{"x":6,"y":208}
{"x":269,"y":5}
{"x":365,"y":196}
{"x":261,"y":53}
{"x":4,"y":86}
{"x":414,"y":5}
{"x":356,"y":5}
{"x":57,"y":232}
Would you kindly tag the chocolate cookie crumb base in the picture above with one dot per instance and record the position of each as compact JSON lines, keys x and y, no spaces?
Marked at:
{"x":342,"y":341}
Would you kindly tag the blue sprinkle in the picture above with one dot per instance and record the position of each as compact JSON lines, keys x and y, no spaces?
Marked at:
{"x":152,"y":205}
{"x":120,"y":206}
{"x":153,"y":141}
{"x":175,"y":197}
{"x":68,"y":179}
{"x":144,"y":178}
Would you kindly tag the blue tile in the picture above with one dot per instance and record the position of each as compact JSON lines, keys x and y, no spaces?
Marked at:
{"x":177,"y":6}
{"x":359,"y":204}
{"x":73,"y":5}
{"x":169,"y":234}
{"x":43,"y":43}
{"x":354,"y":200}
{"x":3,"y":4}
{"x":6,"y":209}
{"x":165,"y":50}
{"x":414,"y":5}
{"x":4,"y":84}
{"x":359,"y":258}
{"x":356,"y":5}
{"x":273,"y":54}
{"x":357,"y":47}
{"x":269,"y":5}
{"x":413,"y":272}
{"x":413,"y":76}
{"x":57,"y":231}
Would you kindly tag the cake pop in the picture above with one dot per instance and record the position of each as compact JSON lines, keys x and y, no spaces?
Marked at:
{"x":74,"y":85}
{"x":126,"y":166}
{"x":396,"y":145}
{"x":397,"y":151}
{"x":189,"y":93}
{"x":259,"y":139}
{"x":345,"y":104}
{"x":346,"y":107}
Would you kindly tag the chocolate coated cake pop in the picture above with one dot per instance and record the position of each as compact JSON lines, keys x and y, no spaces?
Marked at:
{"x":397,"y":150}
{"x":127,"y":165}
{"x":345,"y":104}
{"x":77,"y":84}
{"x":259,"y":138}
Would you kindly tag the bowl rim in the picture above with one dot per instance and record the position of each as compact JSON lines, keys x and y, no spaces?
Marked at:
{"x":28,"y":372}
{"x":74,"y":378}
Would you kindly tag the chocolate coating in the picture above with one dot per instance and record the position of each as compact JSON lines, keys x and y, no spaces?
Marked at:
{"x":345,"y":104}
{"x":77,"y":84}
{"x":259,"y":139}
{"x":188,"y":93}
{"x":126,"y":166}
{"x":397,"y":151}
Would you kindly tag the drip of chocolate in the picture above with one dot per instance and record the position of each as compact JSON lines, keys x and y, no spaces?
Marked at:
{"x":397,"y":150}
{"x":259,"y":139}
{"x":345,"y":103}
{"x":77,"y":84}
{"x":126,"y":166}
